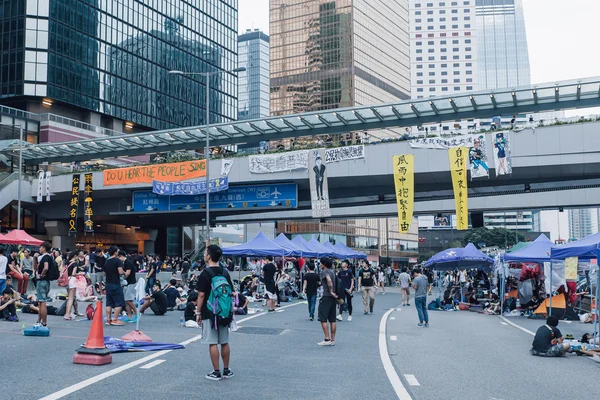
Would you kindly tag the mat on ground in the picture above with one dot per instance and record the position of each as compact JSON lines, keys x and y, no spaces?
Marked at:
{"x":119,"y":346}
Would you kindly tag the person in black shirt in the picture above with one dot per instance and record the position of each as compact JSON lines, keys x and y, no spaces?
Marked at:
{"x":43,"y":281}
{"x":191,"y":319}
{"x":347,"y":278}
{"x":548,"y":341}
{"x":185,"y":269}
{"x":151,"y":274}
{"x":157,"y":301}
{"x":268,"y":275}
{"x":366,"y":280}
{"x":311,"y":282}
{"x":240,"y":305}
{"x":172,"y":294}
{"x":99,"y":265}
{"x":129,"y":292}
{"x":113,"y":269}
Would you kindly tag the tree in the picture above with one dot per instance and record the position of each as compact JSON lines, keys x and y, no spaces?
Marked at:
{"x":500,"y":237}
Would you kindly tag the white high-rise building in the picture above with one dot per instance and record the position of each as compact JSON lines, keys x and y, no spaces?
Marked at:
{"x":582,"y":222}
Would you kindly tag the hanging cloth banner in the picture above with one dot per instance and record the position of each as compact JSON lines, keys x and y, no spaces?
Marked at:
{"x":88,"y":223}
{"x":271,"y":163}
{"x":190,"y":188}
{"x":571,"y":268}
{"x":40,"y":188}
{"x":226,"y":166}
{"x":173,"y":172}
{"x":404,"y":179}
{"x":458,"y":169}
{"x":319,"y":189}
{"x":74,"y":204}
{"x":48,"y":176}
{"x":344,"y":153}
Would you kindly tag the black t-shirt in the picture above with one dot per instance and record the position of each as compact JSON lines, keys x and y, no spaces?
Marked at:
{"x":190,"y":312}
{"x":160,"y":298}
{"x":46,"y":258}
{"x":152,"y":267}
{"x":312,"y":280}
{"x":129,"y":266}
{"x":269,"y":274}
{"x":543,"y":338}
{"x":346,"y":278}
{"x":366,"y":276}
{"x":111,"y":270}
{"x":241,"y":300}
{"x":172,"y":296}
{"x":185,"y":267}
{"x":11,"y":261}
{"x":99,"y":262}
{"x":204,"y":286}
{"x":72,"y":266}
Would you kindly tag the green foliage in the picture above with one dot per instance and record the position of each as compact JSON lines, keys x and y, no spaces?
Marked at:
{"x":500,"y":237}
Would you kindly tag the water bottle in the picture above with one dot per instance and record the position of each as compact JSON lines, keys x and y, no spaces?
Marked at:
{"x":23,"y":328}
{"x":181,"y":322}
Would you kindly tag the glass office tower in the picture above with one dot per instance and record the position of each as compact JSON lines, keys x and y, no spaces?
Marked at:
{"x":253,"y":91}
{"x":107,"y":61}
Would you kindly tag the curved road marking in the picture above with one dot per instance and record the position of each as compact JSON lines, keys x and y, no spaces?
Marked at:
{"x":399,"y":388}
{"x":516,"y":326}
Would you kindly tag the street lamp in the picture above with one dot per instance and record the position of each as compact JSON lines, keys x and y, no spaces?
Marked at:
{"x":20,"y":173}
{"x":207,"y":151}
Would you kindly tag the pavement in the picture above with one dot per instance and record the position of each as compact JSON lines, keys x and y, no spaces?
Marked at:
{"x":275,"y":356}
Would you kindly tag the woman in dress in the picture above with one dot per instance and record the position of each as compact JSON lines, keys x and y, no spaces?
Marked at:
{"x":500,"y":145}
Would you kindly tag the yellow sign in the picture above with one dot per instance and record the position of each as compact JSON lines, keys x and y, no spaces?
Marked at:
{"x":174,"y":172}
{"x":571,"y":268}
{"x":458,"y":169}
{"x":404,"y":180}
{"x":74,"y":204}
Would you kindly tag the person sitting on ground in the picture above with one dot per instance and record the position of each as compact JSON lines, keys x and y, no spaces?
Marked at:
{"x":191,"y":319}
{"x":86,"y":294}
{"x":7,"y":306}
{"x":172,"y":294}
{"x":240,"y":304}
{"x":548,"y":341}
{"x":157,"y":302}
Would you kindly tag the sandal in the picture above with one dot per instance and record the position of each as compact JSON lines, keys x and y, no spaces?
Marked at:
{"x":67,"y":318}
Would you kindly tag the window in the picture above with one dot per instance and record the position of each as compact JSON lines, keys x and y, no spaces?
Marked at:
{"x":469,"y":87}
{"x":430,"y":35}
{"x":467,"y":41}
{"x":442,"y":26}
{"x":430,"y":28}
{"x":468,"y":65}
{"x":469,"y":80}
{"x":466,"y":3}
{"x":418,"y":43}
{"x":444,"y":73}
{"x":454,"y":3}
{"x":418,"y":28}
{"x":469,"y":72}
{"x":468,"y":56}
{"x":430,"y":50}
{"x":444,"y":89}
{"x":429,"y":12}
{"x":457,"y":80}
{"x":417,"y":12}
{"x":443,"y":50}
{"x":443,"y":19}
{"x":430,"y":43}
{"x":442,"y":4}
{"x":443,"y":42}
{"x":429,"y":19}
{"x":444,"y":65}
{"x":419,"y":66}
{"x":432,"y":89}
{"x":467,"y":26}
{"x":419,"y":82}
{"x":466,"y":10}
{"x":432,"y":73}
{"x":442,"y":11}
{"x":467,"y":33}
{"x":418,"y":35}
{"x":454,"y":26}
{"x":419,"y":58}
{"x":419,"y":74}
{"x":419,"y":89}
{"x":455,"y":57}
{"x":455,"y":49}
{"x":432,"y":81}
{"x":455,"y":41}
{"x":444,"y":80}
{"x":454,"y":33}
{"x":467,"y":18}
{"x":455,"y":72}
{"x":454,"y":18}
{"x":467,"y":49}
{"x":419,"y":51}
{"x":455,"y":65}
{"x":456,"y":88}
{"x":431,"y":58}
{"x":417,"y":5}
{"x":418,"y":21}
{"x":443,"y":34}
{"x":454,"y":11}
{"x":443,"y":58}
{"x":429,"y":4}
{"x":431,"y":65}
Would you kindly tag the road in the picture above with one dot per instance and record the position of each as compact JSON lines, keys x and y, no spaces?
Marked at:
{"x":274,"y":356}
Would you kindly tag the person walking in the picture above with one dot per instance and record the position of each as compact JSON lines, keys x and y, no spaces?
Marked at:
{"x":328,"y":303}
{"x":113,"y":269}
{"x":73,"y":270}
{"x":366,"y":281}
{"x":380,"y":281}
{"x":268,"y":275}
{"x":309,"y":289}
{"x":421,"y":285}
{"x":347,"y":278}
{"x":404,"y":279}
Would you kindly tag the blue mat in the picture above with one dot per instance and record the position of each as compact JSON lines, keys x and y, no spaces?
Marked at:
{"x":118,"y":346}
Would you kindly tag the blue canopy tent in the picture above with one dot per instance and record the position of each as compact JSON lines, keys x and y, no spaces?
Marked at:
{"x":335,"y":252}
{"x":260,"y":246}
{"x":302,"y":245}
{"x":287,"y":244}
{"x":318,"y":247}
{"x":349,"y":252}
{"x":537,"y":251}
{"x":460,"y":257}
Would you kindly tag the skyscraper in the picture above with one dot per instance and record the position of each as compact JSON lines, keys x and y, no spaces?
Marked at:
{"x":582,"y":222}
{"x":327,"y":54}
{"x":253,"y":84}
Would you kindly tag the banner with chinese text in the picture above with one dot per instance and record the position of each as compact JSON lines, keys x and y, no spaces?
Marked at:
{"x":173,"y":172}
{"x":344,"y":153}
{"x":74,"y":204}
{"x":88,"y":223}
{"x":190,"y":188}
{"x":271,"y":163}
{"x":404,"y":180}
{"x":319,"y":189}
{"x":458,"y":169}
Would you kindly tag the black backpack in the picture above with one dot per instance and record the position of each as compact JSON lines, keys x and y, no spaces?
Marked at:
{"x":53,"y":272}
{"x":339,"y":289}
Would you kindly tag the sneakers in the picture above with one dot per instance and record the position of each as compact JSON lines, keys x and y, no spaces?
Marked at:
{"x":12,"y":318}
{"x":311,"y":318}
{"x":408,"y":304}
{"x":325,"y":343}
{"x":349,"y":318}
{"x":420,"y":324}
{"x":116,"y":322}
{"x":366,"y":312}
{"x":214,"y":376}
{"x":227,"y":373}
{"x":426,"y":324}
{"x":339,"y":317}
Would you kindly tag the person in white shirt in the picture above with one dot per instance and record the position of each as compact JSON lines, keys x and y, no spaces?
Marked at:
{"x":3,"y":265}
{"x":404,"y":280}
{"x":380,"y":280}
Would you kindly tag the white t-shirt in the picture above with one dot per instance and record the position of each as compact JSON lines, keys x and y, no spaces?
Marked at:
{"x":404,"y":280}
{"x":3,"y":264}
{"x":381,"y":276}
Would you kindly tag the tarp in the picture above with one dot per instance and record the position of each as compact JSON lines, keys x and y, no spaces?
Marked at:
{"x":558,"y":301}
{"x":537,"y":251}
{"x":584,"y":248}
{"x":17,"y":236}
{"x":260,"y":246}
{"x":118,"y":346}
{"x":287,"y":244}
{"x":336,"y":253}
{"x":301,"y":244}
{"x":518,"y":246}
{"x":351,"y":253}
{"x":318,"y":247}
{"x":461,"y":257}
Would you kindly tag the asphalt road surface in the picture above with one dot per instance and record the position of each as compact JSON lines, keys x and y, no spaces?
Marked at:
{"x":462,"y":355}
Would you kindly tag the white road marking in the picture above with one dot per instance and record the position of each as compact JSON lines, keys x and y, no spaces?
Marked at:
{"x":412,"y":381}
{"x":390,"y":371}
{"x":503,"y":323}
{"x":392,"y":317}
{"x":393,"y":337}
{"x":517,"y":326}
{"x":152,"y":364}
{"x":95,"y":379}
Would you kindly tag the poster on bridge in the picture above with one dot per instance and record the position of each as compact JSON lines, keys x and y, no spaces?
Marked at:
{"x":502,"y":154}
{"x":319,"y":189}
{"x":478,"y":160}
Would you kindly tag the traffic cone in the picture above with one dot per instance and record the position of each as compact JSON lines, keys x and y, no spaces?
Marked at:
{"x":94,"y":352}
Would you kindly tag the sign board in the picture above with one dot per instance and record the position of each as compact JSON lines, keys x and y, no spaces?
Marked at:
{"x":284,"y":195}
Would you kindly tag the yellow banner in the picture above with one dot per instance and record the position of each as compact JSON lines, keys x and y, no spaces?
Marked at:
{"x":571,"y":268}
{"x":458,"y":169}
{"x":174,"y":172}
{"x":404,"y":179}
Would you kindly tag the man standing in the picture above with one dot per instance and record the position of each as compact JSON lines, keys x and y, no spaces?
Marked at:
{"x":218,"y":334}
{"x":98,"y":266}
{"x":151,"y":274}
{"x":268,"y":275}
{"x":347,"y":278}
{"x":129,"y":291}
{"x":185,"y":270}
{"x":43,"y":281}
{"x":309,"y":289}
{"x":328,"y":303}
{"x":421,"y":285}
{"x":366,"y":281}
{"x":113,"y":269}
{"x":404,"y":279}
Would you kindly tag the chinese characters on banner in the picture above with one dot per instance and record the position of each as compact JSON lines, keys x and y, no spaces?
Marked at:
{"x":88,"y":223}
{"x":319,"y":189}
{"x":344,"y":153}
{"x":404,"y":179}
{"x":190,"y":188}
{"x":571,"y":268}
{"x":458,"y":169}
{"x":271,"y":163}
{"x":74,"y":204}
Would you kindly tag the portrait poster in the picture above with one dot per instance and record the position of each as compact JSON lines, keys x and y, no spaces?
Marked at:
{"x":478,"y":160}
{"x":502,"y":154}
{"x":319,"y":189}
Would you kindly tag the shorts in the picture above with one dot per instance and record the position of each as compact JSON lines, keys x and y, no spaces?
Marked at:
{"x":72,"y":283}
{"x":114,"y":295}
{"x":129,"y":292}
{"x":271,"y":292}
{"x":555,"y":351}
{"x":214,"y":336}
{"x":327,"y":309}
{"x":156,"y":310}
{"x":42,"y":290}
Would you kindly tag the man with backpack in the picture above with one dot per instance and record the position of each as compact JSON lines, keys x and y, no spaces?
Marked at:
{"x":215,"y":307}
{"x":47,"y":271}
{"x":328,"y":303}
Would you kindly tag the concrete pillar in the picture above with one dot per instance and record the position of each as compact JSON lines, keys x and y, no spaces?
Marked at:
{"x":148,"y":247}
{"x":59,"y":234}
{"x":94,"y":118}
{"x":63,"y":242}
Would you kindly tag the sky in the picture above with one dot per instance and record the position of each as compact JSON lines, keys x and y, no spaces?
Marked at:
{"x":560,"y":37}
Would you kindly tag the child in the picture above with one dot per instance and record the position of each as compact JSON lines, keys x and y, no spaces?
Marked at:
{"x":190,"y":311}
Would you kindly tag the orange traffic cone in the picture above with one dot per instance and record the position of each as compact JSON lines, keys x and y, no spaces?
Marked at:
{"x":94,"y":352}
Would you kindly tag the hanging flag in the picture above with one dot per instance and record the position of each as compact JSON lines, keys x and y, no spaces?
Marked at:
{"x":88,"y":223}
{"x":74,"y":204}
{"x":226,"y":165}
{"x":40,"y":188}
{"x":458,"y":169}
{"x":404,"y":179}
{"x":48,"y":176}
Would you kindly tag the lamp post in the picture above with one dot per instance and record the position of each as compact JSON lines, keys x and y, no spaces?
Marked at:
{"x":207,"y":123}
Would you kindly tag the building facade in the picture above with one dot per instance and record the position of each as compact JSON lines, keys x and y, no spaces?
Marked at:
{"x":253,"y":91}
{"x":107,"y":62}
{"x":582,"y":222}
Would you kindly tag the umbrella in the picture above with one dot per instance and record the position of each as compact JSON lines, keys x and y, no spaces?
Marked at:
{"x":18,"y":236}
{"x":460,"y":257}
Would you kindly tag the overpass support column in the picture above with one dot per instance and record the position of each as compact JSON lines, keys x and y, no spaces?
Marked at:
{"x":147,"y":246}
{"x":59,"y":234}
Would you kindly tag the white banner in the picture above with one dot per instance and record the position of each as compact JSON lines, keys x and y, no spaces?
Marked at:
{"x":48,"y":176}
{"x":344,"y":153}
{"x":441,"y":143}
{"x":271,"y":163}
{"x":40,"y":188}
{"x":319,"y":189}
{"x":226,"y":166}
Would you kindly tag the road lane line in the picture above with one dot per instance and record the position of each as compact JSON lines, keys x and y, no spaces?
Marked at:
{"x":504,"y":323}
{"x":95,"y":379}
{"x":412,"y":381}
{"x":390,"y":371}
{"x":517,"y":326}
{"x":392,"y":318}
{"x":393,"y":337}
{"x":152,"y":364}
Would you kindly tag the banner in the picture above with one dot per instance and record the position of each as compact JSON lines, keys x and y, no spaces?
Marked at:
{"x":74,"y":204}
{"x":443,"y":144}
{"x":48,"y":176}
{"x":344,"y":153}
{"x":478,"y":161}
{"x":191,"y":188}
{"x":319,"y":189}
{"x":40,"y":188}
{"x":272,"y":163}
{"x":502,"y":158}
{"x":458,"y":170}
{"x":173,"y":172}
{"x":226,"y":166}
{"x":571,"y":268}
{"x":404,"y":180}
{"x":88,"y":223}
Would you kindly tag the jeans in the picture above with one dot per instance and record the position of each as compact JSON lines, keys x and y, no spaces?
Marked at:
{"x":312,"y":301}
{"x":2,"y":285}
{"x":421,"y":304}
{"x":368,"y":292}
{"x":348,"y":301}
{"x":149,"y":284}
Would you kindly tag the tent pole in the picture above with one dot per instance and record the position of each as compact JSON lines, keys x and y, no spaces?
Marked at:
{"x":596,"y":312}
{"x":551,"y":289}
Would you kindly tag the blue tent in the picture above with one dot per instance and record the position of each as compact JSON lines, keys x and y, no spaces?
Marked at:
{"x":335,"y":252}
{"x":287,"y":244}
{"x":585,"y":248}
{"x":318,"y":247}
{"x":457,"y":258}
{"x":342,"y":248}
{"x":302,"y":245}
{"x":537,"y":251}
{"x":259,"y":246}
